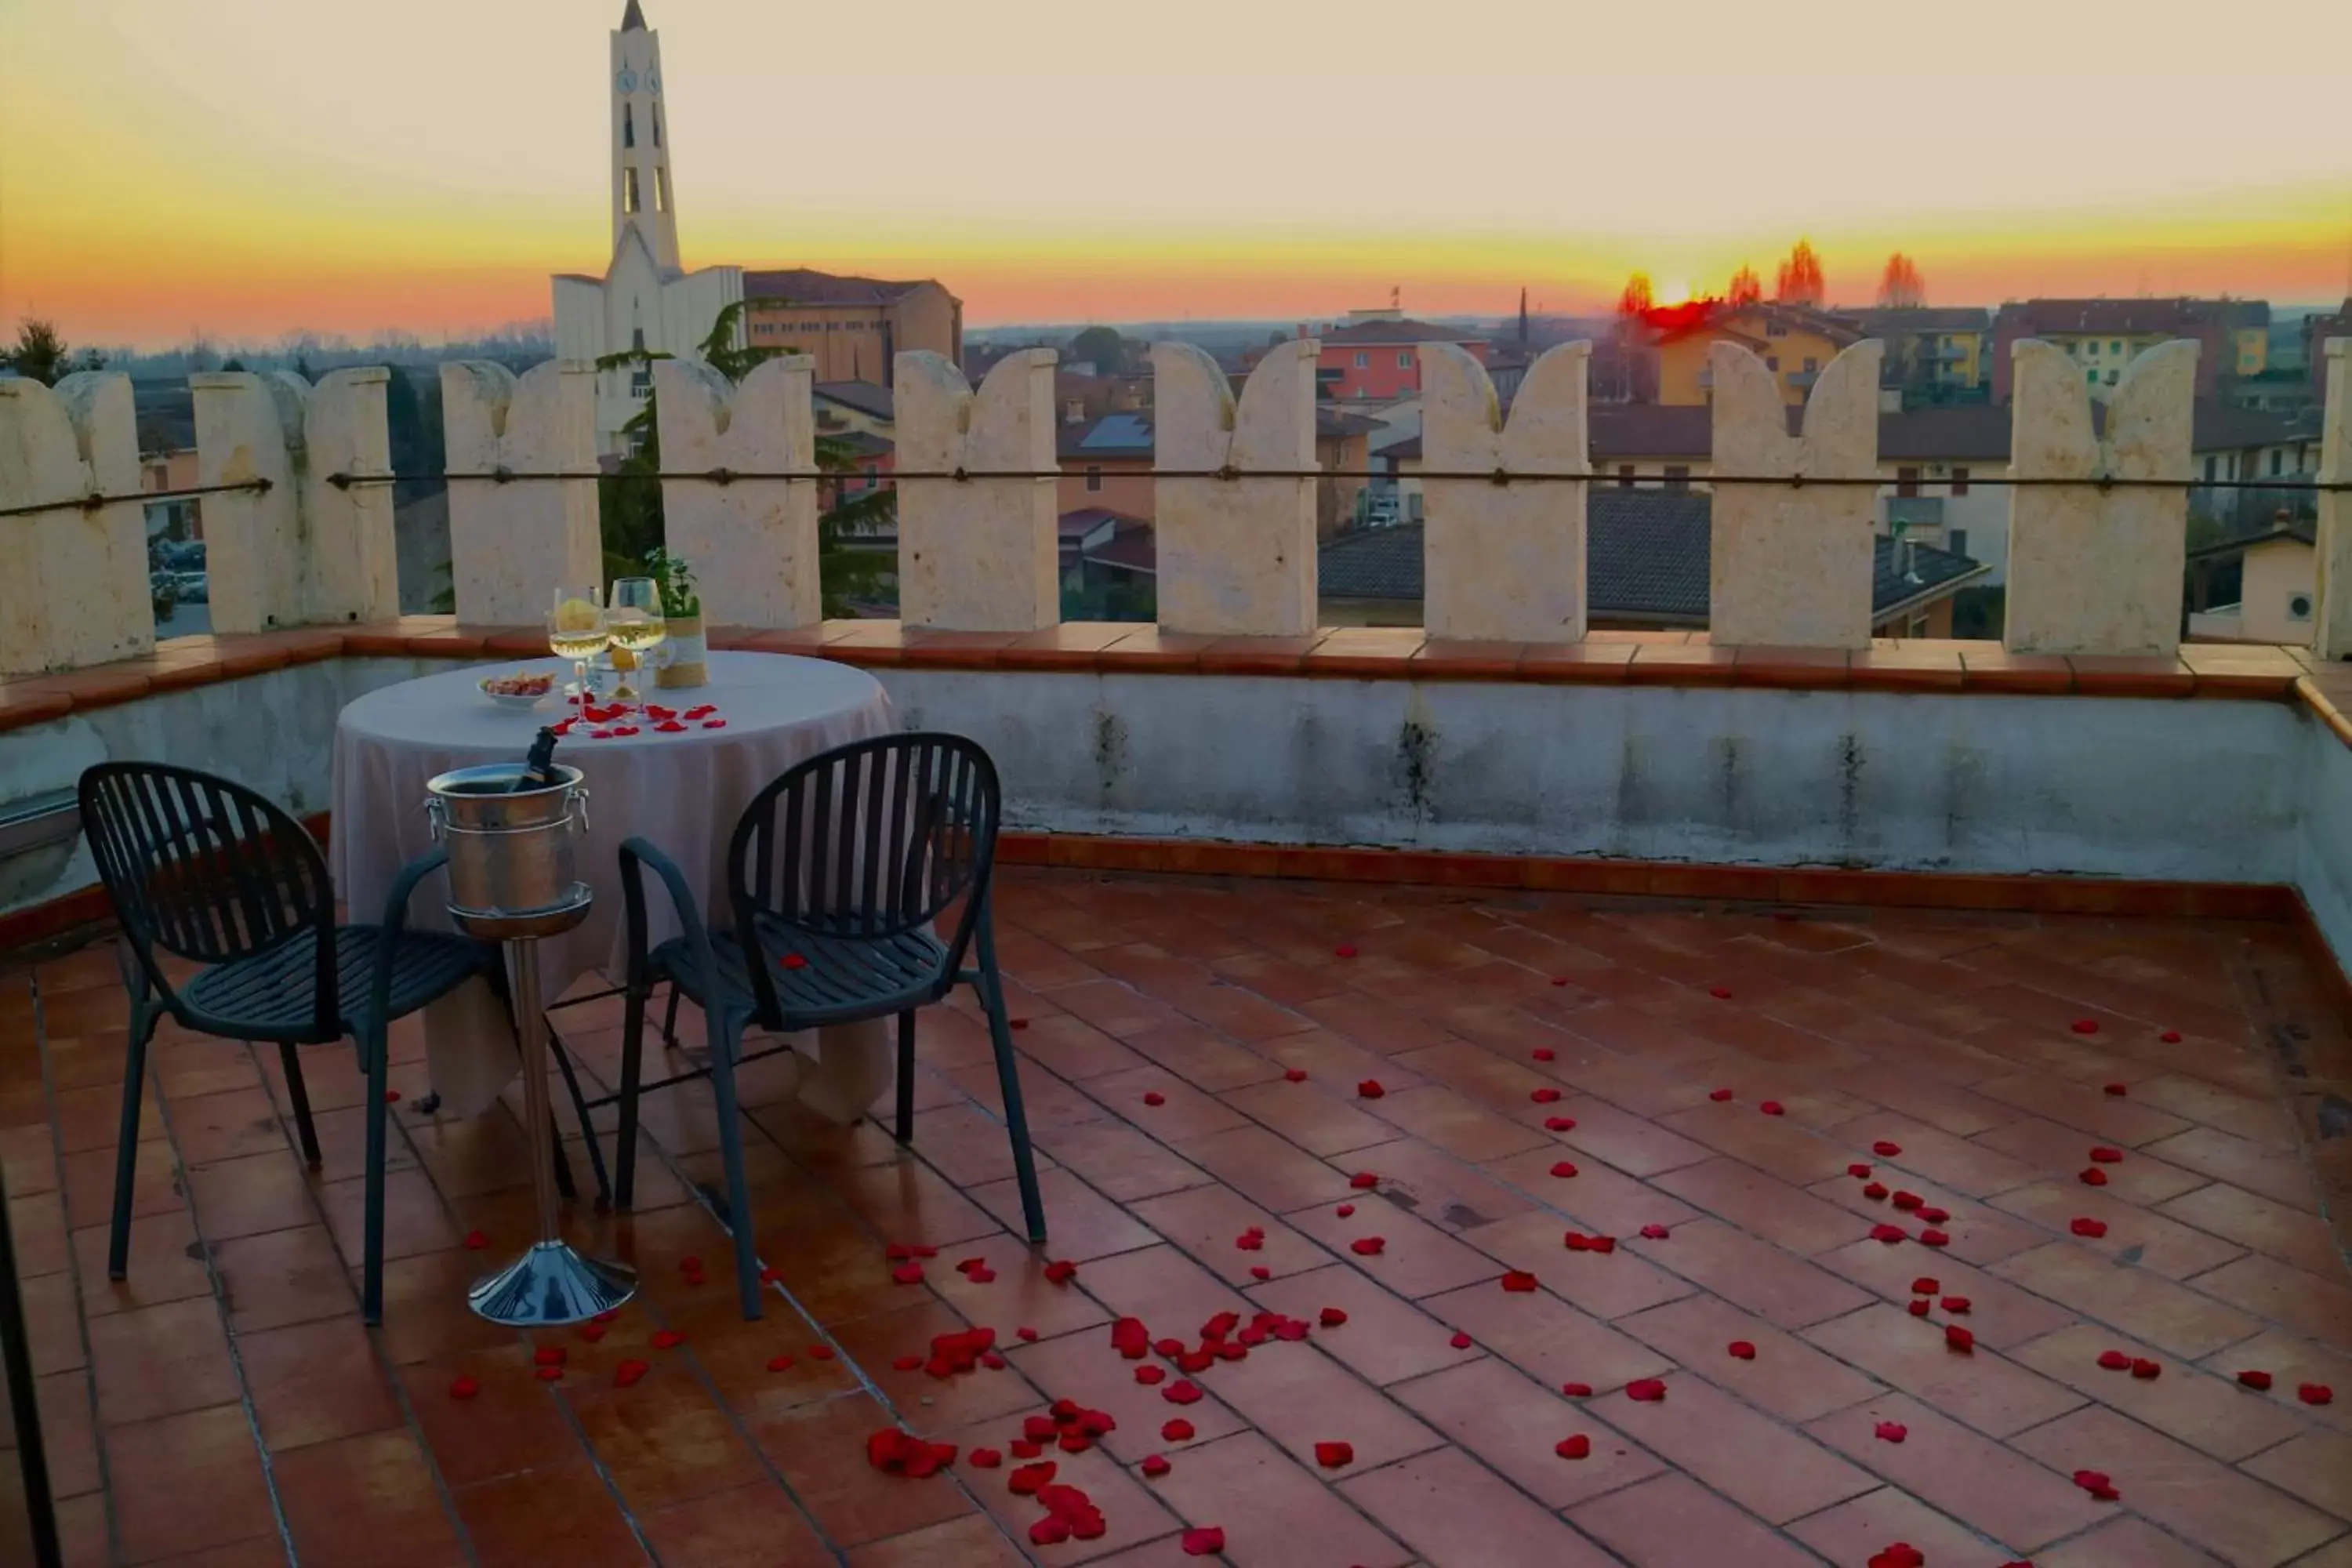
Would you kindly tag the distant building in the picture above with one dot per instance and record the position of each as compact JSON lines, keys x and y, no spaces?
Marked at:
{"x":1931,"y":350}
{"x":1378,"y":355}
{"x":2318,"y":328}
{"x":2103,"y":335}
{"x":1795,"y":343}
{"x":2260,"y":587}
{"x":646,"y":301}
{"x":1107,"y":465}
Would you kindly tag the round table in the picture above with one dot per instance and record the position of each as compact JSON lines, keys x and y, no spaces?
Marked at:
{"x":682,"y":790}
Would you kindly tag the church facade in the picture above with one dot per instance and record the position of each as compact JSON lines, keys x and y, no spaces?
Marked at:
{"x":647,"y":299}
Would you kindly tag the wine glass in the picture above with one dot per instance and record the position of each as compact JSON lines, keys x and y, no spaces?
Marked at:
{"x":577,"y":630}
{"x":636,"y":624}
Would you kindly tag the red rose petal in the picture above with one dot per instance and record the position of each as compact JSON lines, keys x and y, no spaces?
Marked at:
{"x":1645,"y":1390}
{"x":1148,"y":1375}
{"x":591,"y":1333}
{"x":1344,"y":1210}
{"x":1460,"y":1340}
{"x":1563,"y":1168}
{"x":465,"y":1385}
{"x":1155,"y":1098}
{"x":669,"y":1339}
{"x":1902,"y":1554}
{"x":2118,"y":1089}
{"x":1519,"y":1281}
{"x":1934,"y":1215}
{"x":1875,"y":1192}
{"x":1576,"y":1390}
{"x":1889,"y":1234}
{"x":2094,"y":1177}
{"x":1155,"y":1466}
{"x":2314,"y":1392}
{"x":2106,"y":1156}
{"x":2255,"y":1379}
{"x":600,"y":734}
{"x":2094,"y":1228}
{"x":2170,"y":1037}
{"x":908,"y":1273}
{"x":477,"y":1240}
{"x":1933,"y":1237}
{"x":1260,"y":1271}
{"x":820,"y":1353}
{"x":1335,"y":1455}
{"x":1860,"y":1173}
{"x":779,"y":1364}
{"x":629,"y":1372}
{"x":1908,"y":1200}
{"x":714,"y":723}
{"x":1772,"y":1108}
{"x":1183,"y":1391}
{"x":1018,"y":1023}
{"x":1885,"y":1150}
{"x":1177,"y":1431}
{"x":1655,"y":1232}
{"x":1957,"y":1338}
{"x":392,"y":1097}
{"x":1559,"y":1123}
{"x":1369,"y":1090}
{"x":1923,"y":1286}
{"x":1296,"y":1074}
{"x":1740,"y":1350}
{"x":2147,"y":1370}
{"x":2097,"y":1483}
{"x":1028,"y":1480}
{"x":985,"y":1459}
{"x":1364,"y":1181}
{"x":1918,"y":1307}
{"x":1559,"y":980}
{"x":1719,"y":1094}
{"x":2115,"y":1361}
{"x":1892,"y":1431}
{"x":1025,"y":1333}
{"x":670,"y":727}
{"x":1720,"y":993}
{"x":1958,"y":1306}
{"x":1345,"y":949}
{"x":548,"y":1355}
{"x":1207,"y":1540}
{"x":907,"y":1363}
{"x":1368,"y":1245}
{"x":771,"y":1274}
{"x":1061,"y":1271}
{"x":1544,"y":1096}
{"x":1544,"y":1054}
{"x":548,"y":1373}
{"x":1577,"y":1447}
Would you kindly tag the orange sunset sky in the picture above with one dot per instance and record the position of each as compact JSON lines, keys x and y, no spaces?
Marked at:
{"x":244,"y":168}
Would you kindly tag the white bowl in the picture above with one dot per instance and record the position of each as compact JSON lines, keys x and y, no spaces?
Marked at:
{"x":511,"y":701}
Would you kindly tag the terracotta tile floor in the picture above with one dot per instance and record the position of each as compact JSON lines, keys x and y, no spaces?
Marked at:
{"x":1545,"y":1067}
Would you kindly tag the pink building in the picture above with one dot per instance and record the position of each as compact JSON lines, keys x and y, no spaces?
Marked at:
{"x":1382,"y":358}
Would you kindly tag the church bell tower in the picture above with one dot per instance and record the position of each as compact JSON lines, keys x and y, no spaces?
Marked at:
{"x":643,"y":196}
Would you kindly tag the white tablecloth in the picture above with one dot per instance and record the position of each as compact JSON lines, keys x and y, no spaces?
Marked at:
{"x":681,"y":791}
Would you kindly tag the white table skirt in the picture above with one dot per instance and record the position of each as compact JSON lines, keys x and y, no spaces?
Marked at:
{"x":683,"y":791}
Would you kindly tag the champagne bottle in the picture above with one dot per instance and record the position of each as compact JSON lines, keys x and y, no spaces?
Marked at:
{"x":539,"y":768}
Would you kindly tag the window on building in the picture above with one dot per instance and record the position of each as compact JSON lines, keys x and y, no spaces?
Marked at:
{"x":1677,"y":476}
{"x":1959,"y":481}
{"x":1775,"y":330}
{"x":872,"y":475}
{"x":1907,"y":481}
{"x":1918,"y":626}
{"x":2212,"y":469}
{"x":628,"y":127}
{"x":2298,"y":607}
{"x":2091,"y":349}
{"x":630,"y":197}
{"x":654,"y":115}
{"x":1772,"y":363}
{"x":2278,"y":461}
{"x":1811,"y":364}
{"x":1363,"y":360}
{"x":1956,"y":539}
{"x":661,"y":190}
{"x":1094,"y":477}
{"x":2116,"y":348}
{"x":2092,"y":376}
{"x":2111,"y":378}
{"x":1404,"y":359}
{"x":1624,"y":475}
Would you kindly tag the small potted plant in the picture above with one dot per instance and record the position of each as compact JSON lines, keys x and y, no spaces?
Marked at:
{"x":685,"y":655}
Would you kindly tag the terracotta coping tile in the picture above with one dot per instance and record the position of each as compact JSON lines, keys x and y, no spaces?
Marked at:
{"x":2330,"y":712}
{"x":1681,"y":664}
{"x":1256,"y":655}
{"x":1590,"y":662}
{"x":516,"y":642}
{"x":928,"y":647}
{"x":375,"y":639}
{"x":1457,"y":659}
{"x":2098,"y":675}
{"x":881,"y":644}
{"x":99,"y":686}
{"x":1148,"y":648}
{"x":1072,"y":646}
{"x":239,"y":656}
{"x":1645,"y":640}
{"x":1909,"y":666}
{"x":1790,"y":668}
{"x":1988,"y":666}
{"x":1372,"y":653}
{"x":21,"y":705}
{"x":808,"y":641}
{"x":447,"y":640}
{"x":729,"y":639}
{"x":2242,"y":672}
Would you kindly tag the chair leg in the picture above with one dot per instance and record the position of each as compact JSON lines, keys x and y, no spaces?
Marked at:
{"x":633,"y":1052}
{"x":290,"y":1058}
{"x":126,"y":1149}
{"x":587,"y":1127}
{"x":670,"y":1020}
{"x":1008,"y":1079}
{"x":378,"y":1046}
{"x":906,"y":1077}
{"x":724,"y":1044}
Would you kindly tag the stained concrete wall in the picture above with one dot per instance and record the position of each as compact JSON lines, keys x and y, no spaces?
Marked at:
{"x":2323,"y":867}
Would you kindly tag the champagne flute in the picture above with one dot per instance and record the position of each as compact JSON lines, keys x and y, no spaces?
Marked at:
{"x":576,"y":630}
{"x":636,"y":624}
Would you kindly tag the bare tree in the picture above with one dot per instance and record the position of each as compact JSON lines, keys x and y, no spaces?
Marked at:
{"x":1799,"y":281}
{"x":1745,"y":288}
{"x":1900,"y":288}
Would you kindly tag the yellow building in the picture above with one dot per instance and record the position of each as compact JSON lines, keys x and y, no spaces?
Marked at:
{"x":1796,"y":345}
{"x":1942,"y":349}
{"x":854,"y":327}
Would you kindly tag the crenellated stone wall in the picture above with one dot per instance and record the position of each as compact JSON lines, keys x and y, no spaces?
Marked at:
{"x":511,"y":545}
{"x":980,"y":555}
{"x":73,"y":579}
{"x":752,"y":543}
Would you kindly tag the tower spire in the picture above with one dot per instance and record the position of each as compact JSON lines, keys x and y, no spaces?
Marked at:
{"x":632,"y":19}
{"x":643,"y":199}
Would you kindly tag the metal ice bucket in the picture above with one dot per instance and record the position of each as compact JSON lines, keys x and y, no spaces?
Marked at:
{"x":509,"y":853}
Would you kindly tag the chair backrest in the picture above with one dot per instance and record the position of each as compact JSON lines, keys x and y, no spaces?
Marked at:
{"x":202,"y":867}
{"x":870,"y":840}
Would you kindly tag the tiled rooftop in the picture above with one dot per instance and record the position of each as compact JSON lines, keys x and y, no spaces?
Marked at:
{"x":226,"y":1406}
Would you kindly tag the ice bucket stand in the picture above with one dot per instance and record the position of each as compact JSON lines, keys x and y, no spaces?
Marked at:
{"x":551,"y":1283}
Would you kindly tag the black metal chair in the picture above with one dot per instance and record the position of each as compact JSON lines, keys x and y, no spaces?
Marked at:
{"x":836,"y":873}
{"x":208,"y":870}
